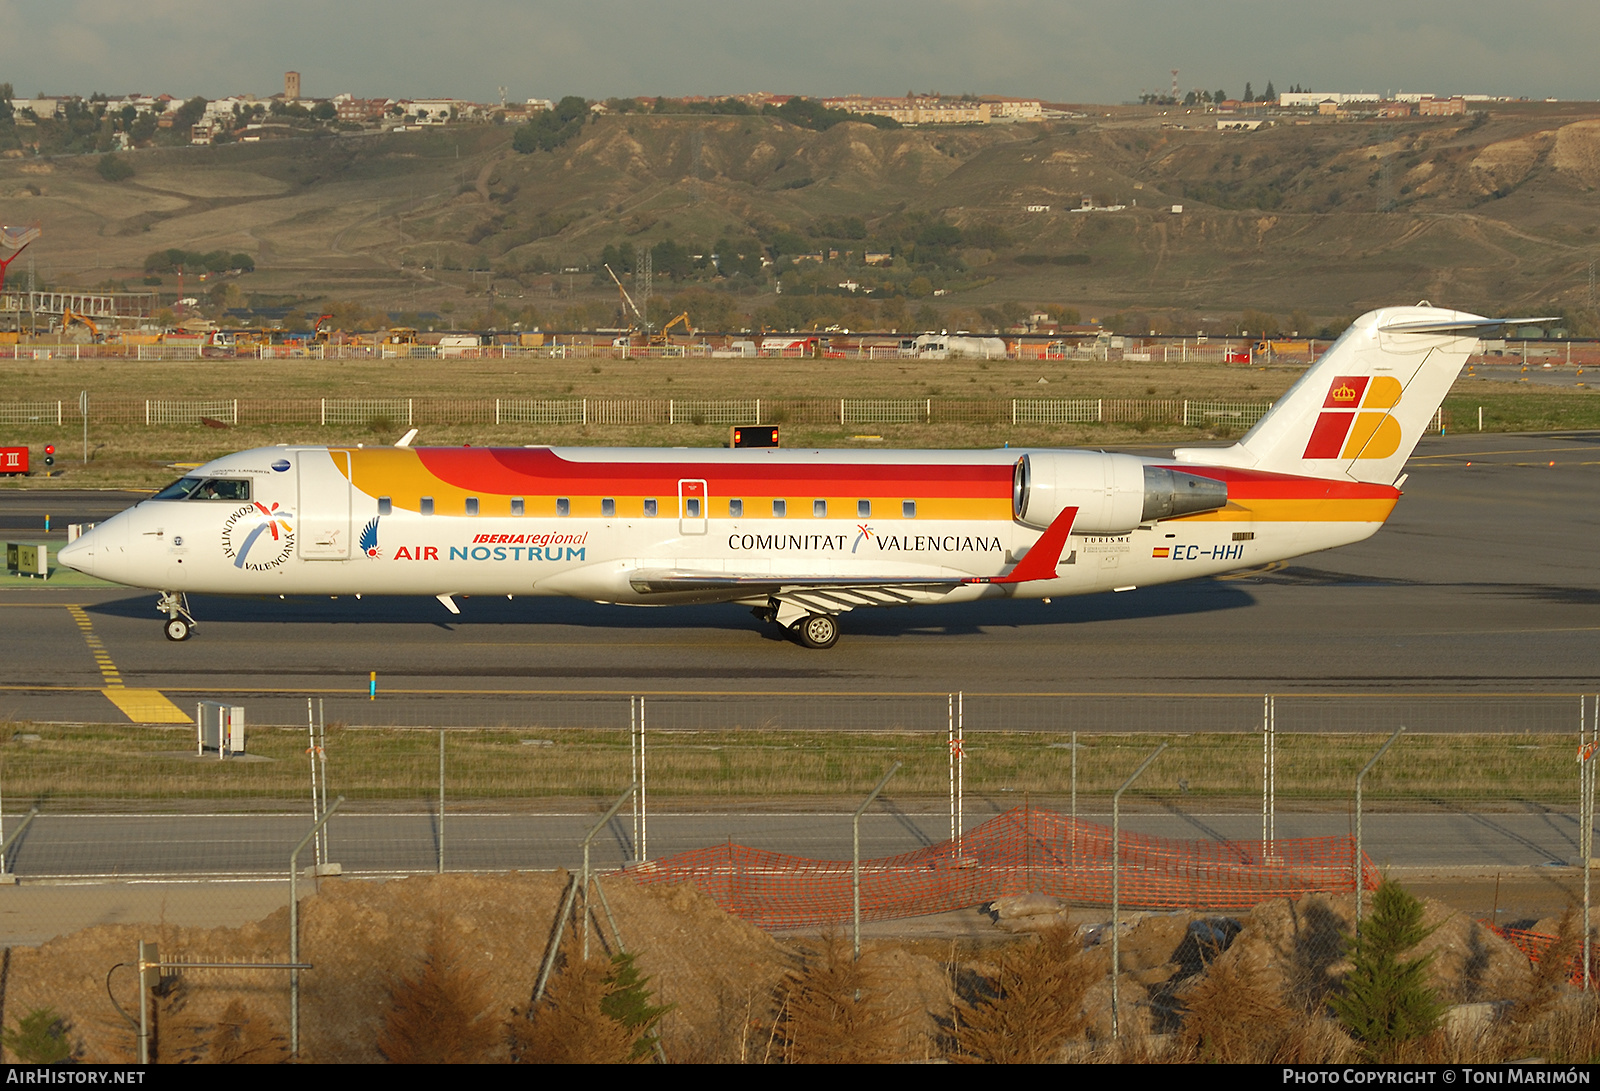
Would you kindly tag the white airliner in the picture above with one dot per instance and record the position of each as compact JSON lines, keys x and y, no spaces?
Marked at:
{"x":801,"y":536}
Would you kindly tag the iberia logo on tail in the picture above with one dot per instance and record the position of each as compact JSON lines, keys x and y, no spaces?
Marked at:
{"x":1355,"y":421}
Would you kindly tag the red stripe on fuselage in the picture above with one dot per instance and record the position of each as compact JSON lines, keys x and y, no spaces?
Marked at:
{"x":537,"y":471}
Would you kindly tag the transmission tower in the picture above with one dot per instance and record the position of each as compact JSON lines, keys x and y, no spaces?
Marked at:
{"x":1174,"y":85}
{"x":644,"y":279}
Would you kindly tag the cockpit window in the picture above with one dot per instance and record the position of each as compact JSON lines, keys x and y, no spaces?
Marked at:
{"x":205,"y":488}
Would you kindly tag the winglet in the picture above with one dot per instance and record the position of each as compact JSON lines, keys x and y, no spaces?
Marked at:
{"x":405,"y":440}
{"x":1040,"y":562}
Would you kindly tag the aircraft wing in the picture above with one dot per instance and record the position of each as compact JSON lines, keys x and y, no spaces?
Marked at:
{"x":797,"y":595}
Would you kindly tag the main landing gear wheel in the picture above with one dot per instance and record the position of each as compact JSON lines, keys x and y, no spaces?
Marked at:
{"x":177,"y":629}
{"x":818,"y":630}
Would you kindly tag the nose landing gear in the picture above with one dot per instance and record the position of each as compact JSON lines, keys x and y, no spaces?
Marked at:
{"x":180,"y":623}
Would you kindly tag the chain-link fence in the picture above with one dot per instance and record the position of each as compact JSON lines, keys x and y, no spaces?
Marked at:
{"x":1151,"y":825}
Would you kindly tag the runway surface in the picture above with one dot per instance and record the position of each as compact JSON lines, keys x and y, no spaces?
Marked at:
{"x":65,"y":845}
{"x":1485,"y":581}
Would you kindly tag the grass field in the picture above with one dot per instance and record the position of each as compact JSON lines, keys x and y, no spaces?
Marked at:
{"x":139,"y":456}
{"x":77,"y":767}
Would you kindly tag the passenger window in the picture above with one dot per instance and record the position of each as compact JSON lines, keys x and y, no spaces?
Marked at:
{"x":426,"y":505}
{"x":608,"y":507}
{"x":735,"y":509}
{"x":863,"y":509}
{"x":780,"y":508}
{"x":691,"y":507}
{"x":908,"y":509}
{"x":563,"y":506}
{"x":472,"y":505}
{"x":819,"y":509}
{"x":385,"y":505}
{"x":517,"y":505}
{"x":650,"y":507}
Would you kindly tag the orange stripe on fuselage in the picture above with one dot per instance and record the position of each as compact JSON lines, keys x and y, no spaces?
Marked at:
{"x":539,"y":476}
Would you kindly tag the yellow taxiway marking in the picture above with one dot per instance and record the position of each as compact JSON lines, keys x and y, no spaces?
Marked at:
{"x":142,"y":706}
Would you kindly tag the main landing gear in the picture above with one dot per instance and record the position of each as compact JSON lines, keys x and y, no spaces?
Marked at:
{"x":180,"y":623}
{"x":811,"y":630}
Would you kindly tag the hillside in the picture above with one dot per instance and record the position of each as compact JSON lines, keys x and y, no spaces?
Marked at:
{"x":1308,"y":222}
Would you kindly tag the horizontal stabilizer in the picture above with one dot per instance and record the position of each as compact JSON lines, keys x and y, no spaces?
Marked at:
{"x":1475,"y":325}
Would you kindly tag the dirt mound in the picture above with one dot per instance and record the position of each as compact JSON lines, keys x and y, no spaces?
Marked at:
{"x":362,"y":936}
{"x":1301,"y":948}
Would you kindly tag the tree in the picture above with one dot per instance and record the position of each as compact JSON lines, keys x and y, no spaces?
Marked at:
{"x":835,"y":1010}
{"x":1386,"y":999}
{"x":1222,"y":96}
{"x":1249,"y":96}
{"x":441,"y":1014}
{"x":1034,"y":1002}
{"x":1269,"y":95}
{"x":40,"y":1038}
{"x":113,"y":168}
{"x":592,"y":1013}
{"x":188,"y":114}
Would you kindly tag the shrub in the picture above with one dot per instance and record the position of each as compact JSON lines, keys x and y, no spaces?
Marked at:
{"x":591,"y":1013}
{"x":40,"y":1038}
{"x":1035,"y":1002}
{"x":835,"y":1011}
{"x":439,"y":1016}
{"x":1385,"y":999}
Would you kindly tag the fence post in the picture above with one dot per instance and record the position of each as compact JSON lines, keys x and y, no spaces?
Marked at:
{"x":441,"y":802}
{"x":586,"y":411}
{"x":841,"y":412}
{"x":410,"y":415}
{"x":1361,"y":776}
{"x":758,"y":410}
{"x":497,"y":410}
{"x":324,"y":412}
{"x":672,"y":412}
{"x":1116,"y":881}
{"x":930,"y":410}
{"x":1100,"y":410}
{"x":147,"y":412}
{"x":855,"y":857}
{"x":294,"y":928}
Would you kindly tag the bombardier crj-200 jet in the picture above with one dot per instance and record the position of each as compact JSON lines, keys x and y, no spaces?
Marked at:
{"x":801,"y":536}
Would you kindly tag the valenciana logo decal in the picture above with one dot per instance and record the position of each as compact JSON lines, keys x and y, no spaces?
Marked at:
{"x":369,"y":539}
{"x":1343,"y":432}
{"x":257,"y":538}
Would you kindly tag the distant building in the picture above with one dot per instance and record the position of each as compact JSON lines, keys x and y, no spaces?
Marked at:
{"x":291,"y":86}
{"x":1316,"y":98}
{"x":1441,"y":107}
{"x":1013,"y":109}
{"x":916,"y":109}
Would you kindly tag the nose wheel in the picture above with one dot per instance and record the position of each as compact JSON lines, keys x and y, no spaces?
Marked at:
{"x":817,"y":630}
{"x":180,"y":623}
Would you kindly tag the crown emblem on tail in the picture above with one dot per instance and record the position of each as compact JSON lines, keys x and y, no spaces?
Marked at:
{"x":1344,"y":392}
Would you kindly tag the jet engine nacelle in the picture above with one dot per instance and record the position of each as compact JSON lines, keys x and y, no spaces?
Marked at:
{"x":1113,"y":493}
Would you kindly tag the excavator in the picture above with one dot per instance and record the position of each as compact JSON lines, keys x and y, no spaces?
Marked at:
{"x":665,"y":336}
{"x":69,"y":316}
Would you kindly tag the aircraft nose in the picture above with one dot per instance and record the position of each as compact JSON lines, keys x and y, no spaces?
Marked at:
{"x":79,"y":555}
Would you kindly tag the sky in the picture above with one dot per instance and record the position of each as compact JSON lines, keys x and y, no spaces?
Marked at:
{"x":1060,"y":51}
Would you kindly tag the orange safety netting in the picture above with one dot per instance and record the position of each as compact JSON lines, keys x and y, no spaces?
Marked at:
{"x":1024,"y":849}
{"x":1535,"y":944}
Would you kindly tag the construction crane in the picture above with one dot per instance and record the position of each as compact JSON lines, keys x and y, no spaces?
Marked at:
{"x":628,"y":299}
